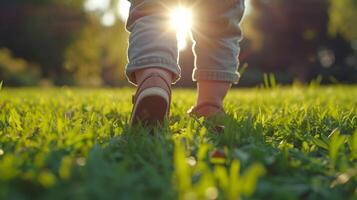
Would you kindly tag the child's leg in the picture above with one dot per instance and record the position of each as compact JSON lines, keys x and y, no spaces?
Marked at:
{"x":212,"y":91}
{"x":216,"y":49}
{"x":152,"y":57}
{"x":142,"y":73}
{"x":152,"y":44}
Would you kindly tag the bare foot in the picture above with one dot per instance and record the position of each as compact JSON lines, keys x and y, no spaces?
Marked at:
{"x":214,"y":93}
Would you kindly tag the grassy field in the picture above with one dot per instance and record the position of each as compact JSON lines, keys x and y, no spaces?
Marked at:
{"x":281,"y":143}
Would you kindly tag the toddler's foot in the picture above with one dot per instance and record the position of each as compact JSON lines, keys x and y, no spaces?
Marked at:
{"x":152,"y":100}
{"x":206,"y":110}
{"x":213,"y":114}
{"x":210,"y":103}
{"x":210,"y":98}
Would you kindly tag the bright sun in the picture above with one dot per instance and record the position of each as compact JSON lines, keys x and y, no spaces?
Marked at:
{"x":181,"y":21}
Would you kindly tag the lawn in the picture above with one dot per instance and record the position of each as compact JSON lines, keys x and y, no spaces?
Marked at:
{"x":279,"y":143}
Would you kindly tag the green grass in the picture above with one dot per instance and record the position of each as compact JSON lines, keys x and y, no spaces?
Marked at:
{"x":282,"y":143}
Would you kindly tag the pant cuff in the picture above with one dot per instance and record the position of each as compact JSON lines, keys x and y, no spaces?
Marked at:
{"x":213,"y":75}
{"x":156,"y":62}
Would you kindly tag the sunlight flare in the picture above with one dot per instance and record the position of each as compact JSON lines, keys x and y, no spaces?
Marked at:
{"x":123,"y":9}
{"x":181,"y":21}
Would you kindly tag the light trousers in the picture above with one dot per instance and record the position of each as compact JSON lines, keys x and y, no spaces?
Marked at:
{"x":216,"y":33}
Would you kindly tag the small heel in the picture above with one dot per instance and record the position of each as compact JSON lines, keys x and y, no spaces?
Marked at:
{"x":151,"y":103}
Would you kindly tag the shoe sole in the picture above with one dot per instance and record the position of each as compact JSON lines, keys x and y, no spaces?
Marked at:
{"x":151,"y":107}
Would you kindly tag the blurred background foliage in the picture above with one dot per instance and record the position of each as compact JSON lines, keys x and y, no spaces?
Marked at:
{"x":72,"y":42}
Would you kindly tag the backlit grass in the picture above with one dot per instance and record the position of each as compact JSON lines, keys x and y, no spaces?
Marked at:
{"x":282,"y":143}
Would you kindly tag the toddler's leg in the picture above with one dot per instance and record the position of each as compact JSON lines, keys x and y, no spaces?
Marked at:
{"x":217,"y":35}
{"x":152,"y":44}
{"x":152,"y":57}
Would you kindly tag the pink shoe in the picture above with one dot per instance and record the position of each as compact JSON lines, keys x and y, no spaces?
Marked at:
{"x":151,"y":101}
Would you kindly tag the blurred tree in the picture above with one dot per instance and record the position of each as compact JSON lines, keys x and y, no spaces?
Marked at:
{"x":114,"y":54}
{"x":288,"y":33}
{"x":69,"y":43}
{"x":291,"y":37}
{"x":40,"y":31}
{"x":74,"y":45}
{"x":343,"y":16}
{"x":16,"y":71}
{"x":83,"y":57}
{"x":99,"y":55}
